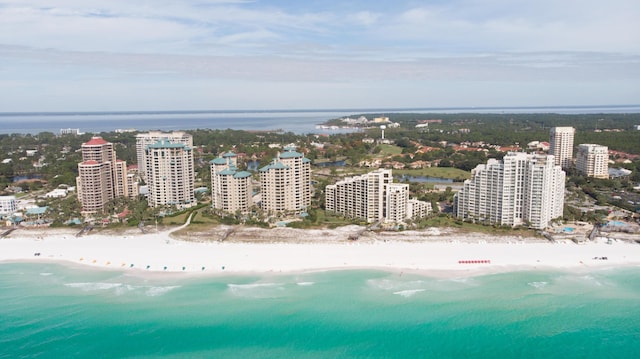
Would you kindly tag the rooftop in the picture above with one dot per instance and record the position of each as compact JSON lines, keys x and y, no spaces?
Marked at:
{"x":95,"y":141}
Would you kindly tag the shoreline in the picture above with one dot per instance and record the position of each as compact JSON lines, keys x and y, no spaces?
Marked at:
{"x":429,"y":253}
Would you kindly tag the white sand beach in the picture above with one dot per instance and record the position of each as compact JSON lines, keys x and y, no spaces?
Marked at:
{"x":429,"y":252}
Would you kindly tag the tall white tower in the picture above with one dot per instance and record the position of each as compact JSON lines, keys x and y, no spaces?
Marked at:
{"x":382,"y":128}
{"x":561,"y":145}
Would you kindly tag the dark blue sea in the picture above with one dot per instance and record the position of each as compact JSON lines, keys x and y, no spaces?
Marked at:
{"x":53,"y":311}
{"x":297,"y":121}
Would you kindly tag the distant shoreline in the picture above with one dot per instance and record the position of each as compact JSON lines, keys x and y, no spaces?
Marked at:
{"x":302,"y":121}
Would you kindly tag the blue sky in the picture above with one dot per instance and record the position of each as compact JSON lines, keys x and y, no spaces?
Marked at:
{"x":90,"y":55}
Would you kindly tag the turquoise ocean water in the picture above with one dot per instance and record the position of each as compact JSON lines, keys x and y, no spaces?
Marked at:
{"x":53,"y":311}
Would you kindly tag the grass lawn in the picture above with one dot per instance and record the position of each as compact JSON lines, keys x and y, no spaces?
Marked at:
{"x":440,"y":172}
{"x":390,"y":150}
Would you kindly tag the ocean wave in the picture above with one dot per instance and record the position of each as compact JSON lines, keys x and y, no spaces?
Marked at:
{"x":256,"y":290}
{"x":158,"y":291}
{"x":93,"y":286}
{"x":408,"y":292}
{"x":304,"y":284}
{"x":121,"y":288}
{"x":538,"y":285}
{"x":390,"y":284}
{"x":46,"y":274}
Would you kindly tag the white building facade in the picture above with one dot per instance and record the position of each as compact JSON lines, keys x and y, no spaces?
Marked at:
{"x":522,"y":189}
{"x":145,"y":139}
{"x":374,"y":197}
{"x":8,"y":205}
{"x":561,"y":145}
{"x":593,"y":160}
{"x":170,"y":174}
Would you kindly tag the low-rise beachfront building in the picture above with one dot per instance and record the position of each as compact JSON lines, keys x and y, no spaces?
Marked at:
{"x":286,"y":183}
{"x":149,"y":138}
{"x":170,"y":174}
{"x":231,"y":189}
{"x":418,"y":209}
{"x":374,"y":197}
{"x":8,"y":205}
{"x":593,"y":160}
{"x":520,"y":189}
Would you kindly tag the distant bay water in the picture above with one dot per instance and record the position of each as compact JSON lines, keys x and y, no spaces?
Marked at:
{"x":53,"y":311}
{"x":297,"y":121}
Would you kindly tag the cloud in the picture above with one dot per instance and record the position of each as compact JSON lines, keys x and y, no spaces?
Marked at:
{"x":360,"y":47}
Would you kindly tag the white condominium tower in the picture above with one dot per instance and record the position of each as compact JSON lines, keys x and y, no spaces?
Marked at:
{"x":360,"y":196}
{"x":593,"y":160}
{"x":100,"y":176}
{"x":561,"y":145}
{"x":170,"y":174}
{"x":520,"y":189}
{"x":286,"y":183}
{"x":374,"y":197}
{"x":145,"y":139}
{"x":230,"y":188}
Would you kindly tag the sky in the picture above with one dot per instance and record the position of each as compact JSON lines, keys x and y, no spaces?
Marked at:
{"x":123,"y":55}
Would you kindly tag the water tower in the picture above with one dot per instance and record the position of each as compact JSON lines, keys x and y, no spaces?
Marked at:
{"x":382,"y":127}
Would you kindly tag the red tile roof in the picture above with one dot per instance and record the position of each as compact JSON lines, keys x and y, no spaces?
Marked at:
{"x":96,"y":141}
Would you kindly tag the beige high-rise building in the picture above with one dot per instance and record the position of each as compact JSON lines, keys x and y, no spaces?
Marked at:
{"x":145,"y":139}
{"x":286,"y":183}
{"x":101,"y":177}
{"x":561,"y":145}
{"x":374,"y":197}
{"x":231,"y":189}
{"x":521,"y":189}
{"x":593,"y":160}
{"x":170,"y":174}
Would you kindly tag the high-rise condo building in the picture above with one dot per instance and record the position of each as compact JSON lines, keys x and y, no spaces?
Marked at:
{"x":286,"y":183}
{"x":101,"y":177}
{"x":522,"y":189}
{"x":593,"y":160}
{"x":230,"y":188}
{"x":145,"y":139}
{"x":170,"y":174}
{"x":374,"y":197}
{"x":561,"y":145}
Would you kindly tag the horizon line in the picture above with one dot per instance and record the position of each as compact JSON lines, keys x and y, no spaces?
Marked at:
{"x":361,"y":110}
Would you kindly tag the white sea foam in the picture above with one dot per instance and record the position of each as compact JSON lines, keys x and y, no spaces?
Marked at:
{"x":251,"y":285}
{"x":304,"y":284}
{"x":390,"y":284}
{"x":464,"y":280}
{"x":46,"y":274}
{"x":157,"y":291}
{"x":257,"y":290}
{"x":408,"y":292}
{"x":93,"y":286}
{"x":538,"y":285}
